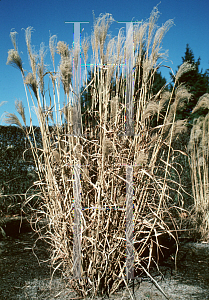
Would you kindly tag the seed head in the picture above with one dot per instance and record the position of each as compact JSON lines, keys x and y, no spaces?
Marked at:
{"x":31,"y":53}
{"x":151,"y":110}
{"x":107,"y":146}
{"x":30,"y":80}
{"x":165,"y":97}
{"x":182,"y":94}
{"x":78,"y":151}
{"x":178,"y":127}
{"x":52,"y":46}
{"x":12,"y":119}
{"x":139,"y":34}
{"x":85,"y":47}
{"x":13,"y":39}
{"x":184,"y":68}
{"x":56,"y":156}
{"x":62,"y":49}
{"x":20,"y":109}
{"x":66,"y":73}
{"x":141,"y":158}
{"x":202,"y":103}
{"x":14,"y":59}
{"x":76,"y":53}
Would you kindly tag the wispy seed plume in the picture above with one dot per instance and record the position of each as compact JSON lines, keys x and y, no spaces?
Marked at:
{"x":20,"y":109}
{"x":14,"y":59}
{"x":202,"y":103}
{"x":184,"y":68}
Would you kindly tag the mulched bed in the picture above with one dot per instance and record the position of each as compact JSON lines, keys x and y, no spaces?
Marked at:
{"x":22,"y":277}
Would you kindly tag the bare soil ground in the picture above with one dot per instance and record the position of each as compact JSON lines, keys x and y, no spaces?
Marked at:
{"x":23,"y":278}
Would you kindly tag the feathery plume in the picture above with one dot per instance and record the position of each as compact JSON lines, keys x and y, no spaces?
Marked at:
{"x":31,"y":81}
{"x":28,"y":36}
{"x":12,"y":119}
{"x":142,"y":158}
{"x":66,"y":73}
{"x":20,"y":109}
{"x":56,"y":156}
{"x":151,"y":110}
{"x":184,"y":68}
{"x":147,"y":66}
{"x":78,"y":149}
{"x":65,"y":65}
{"x":41,"y":68}
{"x":197,"y":132}
{"x":94,"y":45}
{"x":201,"y":161}
{"x":2,"y":103}
{"x":182,"y":94}
{"x":139,"y":32}
{"x":13,"y":55}
{"x":101,"y":27}
{"x":154,"y":16}
{"x":85,"y":47}
{"x":164,"y":97}
{"x":160,"y":35}
{"x":119,"y":45}
{"x":152,"y":21}
{"x":52,"y":46}
{"x":13,"y":39}
{"x":109,"y":55}
{"x":202,"y":103}
{"x":170,"y":114}
{"x":76,"y":52}
{"x":14,"y":59}
{"x":32,"y":55}
{"x":62,"y":49}
{"x":104,"y":22}
{"x":107,"y":146}
{"x":178,"y":127}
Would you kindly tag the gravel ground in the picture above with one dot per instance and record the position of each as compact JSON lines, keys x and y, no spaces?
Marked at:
{"x":23,"y":278}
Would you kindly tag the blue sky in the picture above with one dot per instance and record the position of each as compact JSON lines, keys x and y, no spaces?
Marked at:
{"x":49,"y":16}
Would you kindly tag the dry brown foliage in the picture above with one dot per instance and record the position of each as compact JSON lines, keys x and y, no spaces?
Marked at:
{"x":100,"y":159}
{"x":198,"y":148}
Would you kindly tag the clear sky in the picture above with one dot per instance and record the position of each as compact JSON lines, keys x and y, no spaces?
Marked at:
{"x":49,"y":16}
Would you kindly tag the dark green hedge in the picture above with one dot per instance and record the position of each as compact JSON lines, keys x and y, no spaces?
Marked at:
{"x":17,"y":169}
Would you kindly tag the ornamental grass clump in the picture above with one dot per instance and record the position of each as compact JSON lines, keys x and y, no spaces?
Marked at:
{"x":83,"y":178}
{"x":198,"y":149}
